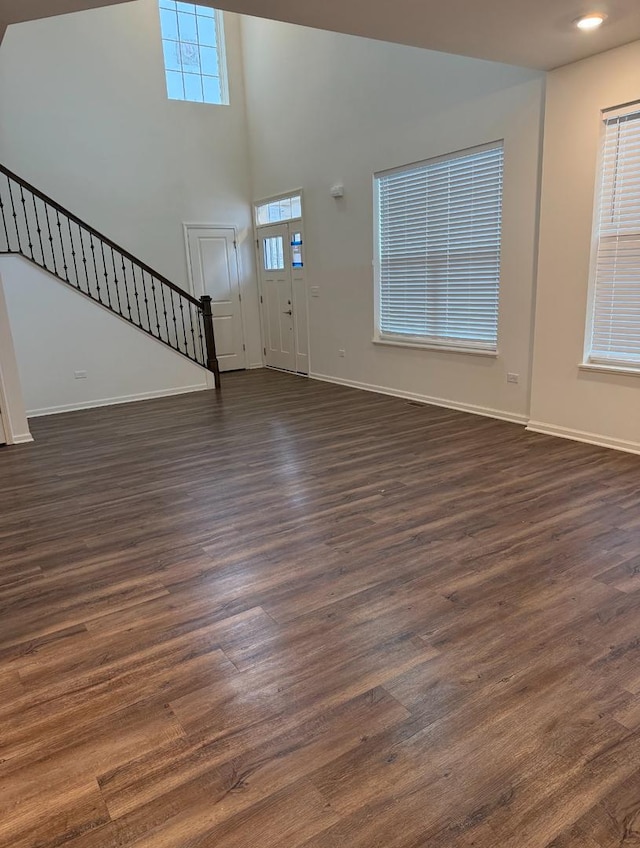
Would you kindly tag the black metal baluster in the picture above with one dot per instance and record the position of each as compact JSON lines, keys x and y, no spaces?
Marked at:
{"x":23,"y":200}
{"x":126,"y":286}
{"x":84,"y":260}
{"x":65,"y":267}
{"x":73,"y":255}
{"x":53,"y":253}
{"x":15,"y":219}
{"x":136,"y":293}
{"x":181,"y":339}
{"x":138,"y":288}
{"x":39,"y":232}
{"x":166,"y":320}
{"x":193,"y":331}
{"x":106,"y":275}
{"x":116,"y":281}
{"x":95,"y":267}
{"x":175,"y":320}
{"x":4,"y":222}
{"x":203,"y":355}
{"x":184,"y":328}
{"x":146,"y":299}
{"x":155,"y":306}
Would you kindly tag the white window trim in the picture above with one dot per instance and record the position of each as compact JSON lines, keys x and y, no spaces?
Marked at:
{"x":609,"y":368}
{"x":395,"y":341}
{"x":380,"y":338}
{"x":589,"y":362}
{"x":274,"y":197}
{"x":222,"y":60}
{"x":221,"y":48}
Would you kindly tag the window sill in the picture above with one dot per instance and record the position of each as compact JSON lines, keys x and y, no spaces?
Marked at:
{"x":475,"y":351}
{"x":610,"y":369}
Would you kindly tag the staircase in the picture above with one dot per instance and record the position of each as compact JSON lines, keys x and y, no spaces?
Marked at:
{"x":48,"y":235}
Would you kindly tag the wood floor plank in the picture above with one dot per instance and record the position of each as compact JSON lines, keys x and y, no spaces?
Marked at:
{"x":50,"y":814}
{"x":296,"y":614}
{"x":246,"y":772}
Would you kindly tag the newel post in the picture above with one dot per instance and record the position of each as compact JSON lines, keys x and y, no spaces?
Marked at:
{"x":209,"y":337}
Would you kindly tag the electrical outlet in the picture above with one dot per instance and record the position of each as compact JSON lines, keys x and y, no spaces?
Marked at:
{"x":341,"y":352}
{"x":80,"y":375}
{"x":513,"y":378}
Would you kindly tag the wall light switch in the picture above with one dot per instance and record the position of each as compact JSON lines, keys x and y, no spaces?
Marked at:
{"x":315,"y":291}
{"x":513,"y":378}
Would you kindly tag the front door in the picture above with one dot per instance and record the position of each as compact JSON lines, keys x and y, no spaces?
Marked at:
{"x":214,"y":270}
{"x":277,"y":296}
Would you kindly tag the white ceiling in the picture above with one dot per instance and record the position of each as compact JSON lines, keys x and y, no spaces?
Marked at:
{"x":14,"y":11}
{"x":534,"y":33}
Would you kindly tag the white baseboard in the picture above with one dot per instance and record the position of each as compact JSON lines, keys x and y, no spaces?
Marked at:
{"x":581,"y":436}
{"x":255,"y":365}
{"x":92,"y":404}
{"x":21,"y":439}
{"x":515,"y":418}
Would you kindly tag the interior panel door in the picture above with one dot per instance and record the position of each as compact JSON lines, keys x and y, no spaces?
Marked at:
{"x":214,"y":268}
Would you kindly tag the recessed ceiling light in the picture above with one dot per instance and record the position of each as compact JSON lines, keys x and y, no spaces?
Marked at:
{"x":593,"y":21}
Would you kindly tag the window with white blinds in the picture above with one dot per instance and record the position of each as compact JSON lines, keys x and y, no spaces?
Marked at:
{"x":438,"y":250}
{"x":615,"y":322}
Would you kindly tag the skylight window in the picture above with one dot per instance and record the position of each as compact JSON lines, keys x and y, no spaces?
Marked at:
{"x":194,"y":55}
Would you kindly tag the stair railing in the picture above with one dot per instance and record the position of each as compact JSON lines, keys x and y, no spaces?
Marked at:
{"x":48,"y":235}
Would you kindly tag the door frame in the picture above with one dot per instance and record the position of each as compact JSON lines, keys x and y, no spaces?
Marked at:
{"x":256,"y":240}
{"x":191,"y":225}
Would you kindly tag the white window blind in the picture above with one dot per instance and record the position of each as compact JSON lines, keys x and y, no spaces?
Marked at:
{"x":615,"y":330}
{"x":438,"y":263}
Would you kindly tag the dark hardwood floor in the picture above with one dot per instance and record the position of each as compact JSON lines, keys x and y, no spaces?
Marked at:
{"x":303,"y":615}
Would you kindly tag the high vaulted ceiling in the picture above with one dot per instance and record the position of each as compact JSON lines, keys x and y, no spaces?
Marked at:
{"x":15,"y":11}
{"x":534,"y":33}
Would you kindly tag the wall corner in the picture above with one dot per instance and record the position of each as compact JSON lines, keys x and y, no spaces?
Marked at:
{"x":12,"y":408}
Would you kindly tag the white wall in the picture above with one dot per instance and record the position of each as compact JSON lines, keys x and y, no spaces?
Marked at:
{"x":14,"y":427}
{"x":596,"y":406}
{"x":57,"y":331}
{"x":325,"y":108}
{"x":84,"y":116}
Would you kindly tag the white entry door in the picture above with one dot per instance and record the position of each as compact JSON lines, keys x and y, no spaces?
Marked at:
{"x":214,"y":269}
{"x":277,"y":296}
